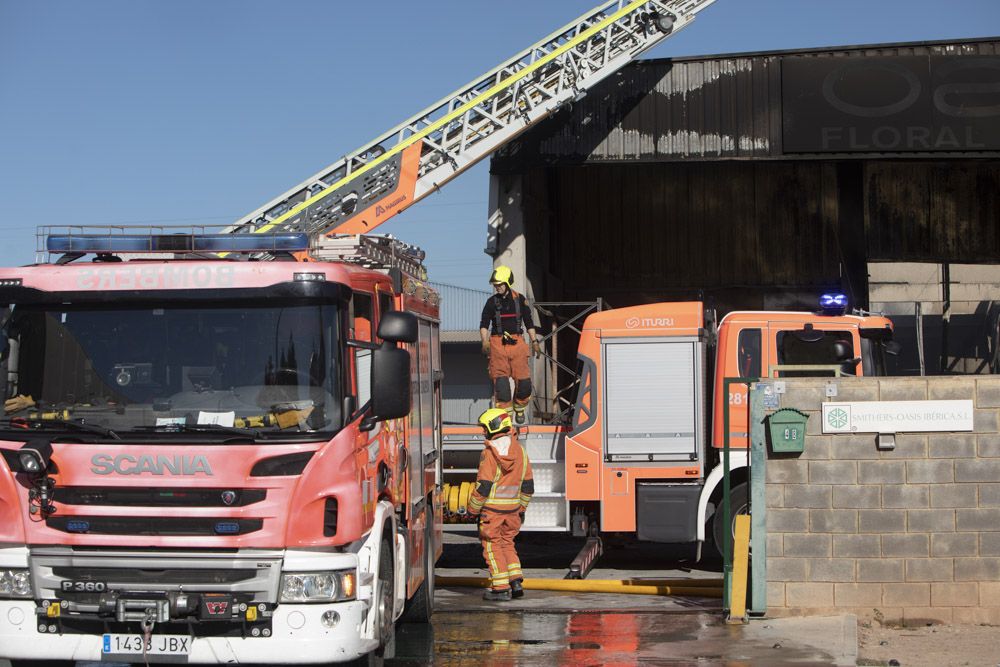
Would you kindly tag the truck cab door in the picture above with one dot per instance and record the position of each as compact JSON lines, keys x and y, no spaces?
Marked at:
{"x":742,"y":353}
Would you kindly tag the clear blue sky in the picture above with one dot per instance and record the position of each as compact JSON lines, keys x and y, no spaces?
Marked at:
{"x":196,"y":111}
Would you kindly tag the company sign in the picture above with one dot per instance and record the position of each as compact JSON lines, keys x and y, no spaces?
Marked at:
{"x":897,"y":416}
{"x":127,"y":464}
{"x":890,"y":104}
{"x":648,"y":322}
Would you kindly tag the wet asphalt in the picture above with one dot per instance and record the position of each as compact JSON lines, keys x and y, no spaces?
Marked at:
{"x":582,"y":629}
{"x":598,"y":639}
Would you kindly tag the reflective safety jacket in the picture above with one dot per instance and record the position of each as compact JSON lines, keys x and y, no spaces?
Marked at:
{"x":504,"y":483}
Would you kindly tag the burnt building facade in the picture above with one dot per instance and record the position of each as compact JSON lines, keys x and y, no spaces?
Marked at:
{"x":760,"y":180}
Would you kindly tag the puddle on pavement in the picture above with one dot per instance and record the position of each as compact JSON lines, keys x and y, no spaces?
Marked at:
{"x":584,"y":639}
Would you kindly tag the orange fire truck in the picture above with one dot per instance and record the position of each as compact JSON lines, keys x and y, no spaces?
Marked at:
{"x":217,"y":460}
{"x":641,"y":457}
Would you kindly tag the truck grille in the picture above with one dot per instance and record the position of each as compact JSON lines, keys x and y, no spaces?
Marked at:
{"x":158,"y":497}
{"x":165,"y":576}
{"x":153,"y":526}
{"x":255,"y":573}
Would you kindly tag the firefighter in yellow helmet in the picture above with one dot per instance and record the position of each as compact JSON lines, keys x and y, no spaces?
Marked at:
{"x":500,"y":330}
{"x":503,"y":490}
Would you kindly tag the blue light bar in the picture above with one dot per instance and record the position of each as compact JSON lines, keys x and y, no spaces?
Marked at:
{"x":833,"y":303}
{"x":177,"y":243}
{"x":77,"y":526}
{"x":227,"y":528}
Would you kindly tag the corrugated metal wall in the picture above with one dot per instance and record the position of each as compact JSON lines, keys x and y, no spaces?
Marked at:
{"x":467,"y":388}
{"x":669,"y":181}
{"x":656,"y":110}
{"x":687,"y":109}
{"x":461,"y":309}
{"x":665,"y":230}
{"x":466,"y":383}
{"x":645,"y":232}
{"x":933,"y":211}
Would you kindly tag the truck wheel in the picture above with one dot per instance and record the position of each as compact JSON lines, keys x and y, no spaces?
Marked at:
{"x":421,"y":606}
{"x":739,"y":503}
{"x":385,"y":598}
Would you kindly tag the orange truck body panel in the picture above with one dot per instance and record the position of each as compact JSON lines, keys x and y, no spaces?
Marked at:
{"x":643,"y":446}
{"x":593,"y":477}
{"x":588,"y":476}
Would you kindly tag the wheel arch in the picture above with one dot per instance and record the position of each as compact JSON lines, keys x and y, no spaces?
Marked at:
{"x":739,"y":473}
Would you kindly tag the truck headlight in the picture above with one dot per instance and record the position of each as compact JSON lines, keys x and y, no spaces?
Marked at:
{"x":15,"y":584}
{"x":331,"y":586}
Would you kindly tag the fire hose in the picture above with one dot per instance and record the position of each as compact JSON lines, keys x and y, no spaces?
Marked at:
{"x":708,"y":588}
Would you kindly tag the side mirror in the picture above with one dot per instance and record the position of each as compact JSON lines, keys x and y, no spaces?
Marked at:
{"x":390,"y":385}
{"x":398,"y":327}
{"x":893,"y":348}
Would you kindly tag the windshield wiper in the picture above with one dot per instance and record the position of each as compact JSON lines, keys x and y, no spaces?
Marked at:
{"x":250,"y":433}
{"x":30,"y":424}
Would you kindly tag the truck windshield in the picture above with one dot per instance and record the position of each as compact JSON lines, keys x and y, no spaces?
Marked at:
{"x":165,"y":367}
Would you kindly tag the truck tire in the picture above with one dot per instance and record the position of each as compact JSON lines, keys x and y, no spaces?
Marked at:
{"x":384,"y":596}
{"x":420,"y":607}
{"x":739,"y":497}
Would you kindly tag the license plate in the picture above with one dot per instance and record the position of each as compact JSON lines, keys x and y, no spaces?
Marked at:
{"x":171,"y":647}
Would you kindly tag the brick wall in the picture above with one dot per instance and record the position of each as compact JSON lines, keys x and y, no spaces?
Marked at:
{"x":910,"y":535}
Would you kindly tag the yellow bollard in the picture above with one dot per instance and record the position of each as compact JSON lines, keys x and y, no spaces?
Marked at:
{"x":741,"y":558}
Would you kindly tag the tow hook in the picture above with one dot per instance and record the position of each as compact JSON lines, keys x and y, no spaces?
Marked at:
{"x":147,"y":623}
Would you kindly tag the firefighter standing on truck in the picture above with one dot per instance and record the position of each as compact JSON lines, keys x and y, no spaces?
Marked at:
{"x":500,"y":330}
{"x":503,"y":490}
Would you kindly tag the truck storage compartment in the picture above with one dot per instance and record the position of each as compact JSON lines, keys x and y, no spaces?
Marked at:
{"x":654,"y":401}
{"x":666,"y":512}
{"x":544,"y":444}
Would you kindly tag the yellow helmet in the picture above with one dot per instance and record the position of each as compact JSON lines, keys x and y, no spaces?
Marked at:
{"x":502,"y":274}
{"x":495,"y":421}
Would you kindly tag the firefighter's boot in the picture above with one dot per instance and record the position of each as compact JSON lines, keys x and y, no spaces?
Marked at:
{"x":497,"y":596}
{"x":516,"y":588}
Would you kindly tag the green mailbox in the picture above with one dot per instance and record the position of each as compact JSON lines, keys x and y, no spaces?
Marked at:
{"x":787,"y":429}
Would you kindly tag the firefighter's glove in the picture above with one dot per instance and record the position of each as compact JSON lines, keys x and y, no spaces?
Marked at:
{"x":536,"y":348}
{"x":18,"y":403}
{"x":486,"y":348}
{"x":520,"y":515}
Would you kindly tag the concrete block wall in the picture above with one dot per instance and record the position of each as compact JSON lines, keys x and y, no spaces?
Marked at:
{"x":910,"y":535}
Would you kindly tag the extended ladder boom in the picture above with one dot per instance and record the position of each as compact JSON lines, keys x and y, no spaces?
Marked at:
{"x":399,"y":168}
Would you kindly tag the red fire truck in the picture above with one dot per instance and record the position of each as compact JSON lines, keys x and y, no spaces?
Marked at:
{"x":215,"y":460}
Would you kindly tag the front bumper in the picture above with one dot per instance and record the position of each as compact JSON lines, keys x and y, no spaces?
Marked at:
{"x":298,"y":637}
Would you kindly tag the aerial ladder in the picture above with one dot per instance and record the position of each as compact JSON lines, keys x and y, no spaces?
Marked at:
{"x":395,"y":170}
